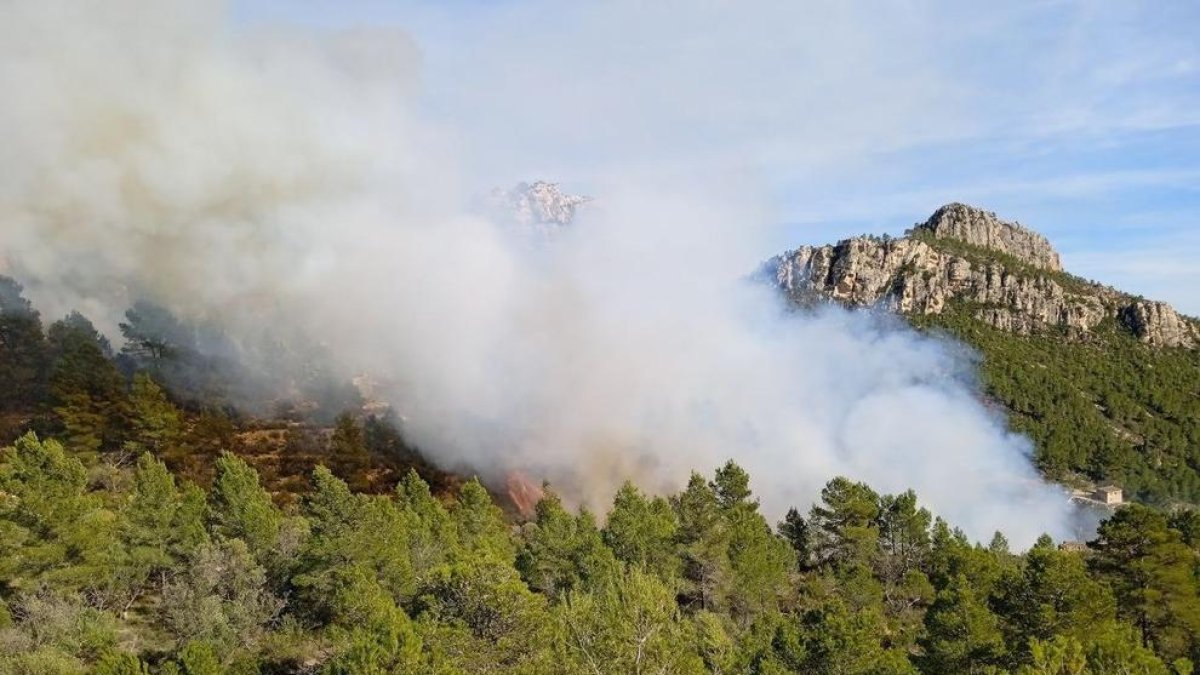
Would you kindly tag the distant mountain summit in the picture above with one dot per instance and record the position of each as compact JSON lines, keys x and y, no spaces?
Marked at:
{"x":1004,"y":274}
{"x":539,"y":206}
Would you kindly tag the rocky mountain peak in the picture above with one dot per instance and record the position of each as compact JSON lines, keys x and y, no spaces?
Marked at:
{"x":977,"y":227}
{"x":539,"y":205}
{"x":928,"y":272}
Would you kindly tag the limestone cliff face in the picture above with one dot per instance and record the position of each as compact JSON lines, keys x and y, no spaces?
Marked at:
{"x":952,"y":257}
{"x":1158,"y":324}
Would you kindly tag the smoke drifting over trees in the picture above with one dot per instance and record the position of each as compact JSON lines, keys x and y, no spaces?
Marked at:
{"x":285,"y":186}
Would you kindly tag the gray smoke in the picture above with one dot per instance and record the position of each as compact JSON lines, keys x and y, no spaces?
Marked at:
{"x":286,"y":182}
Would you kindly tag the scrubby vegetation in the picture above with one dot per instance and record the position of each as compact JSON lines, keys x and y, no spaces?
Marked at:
{"x":145,"y":531}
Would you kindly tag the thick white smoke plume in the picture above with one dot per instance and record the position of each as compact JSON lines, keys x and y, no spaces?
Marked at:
{"x":284,"y":182}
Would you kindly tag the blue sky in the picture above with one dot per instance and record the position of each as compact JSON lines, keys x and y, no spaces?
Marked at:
{"x":1079,"y":119}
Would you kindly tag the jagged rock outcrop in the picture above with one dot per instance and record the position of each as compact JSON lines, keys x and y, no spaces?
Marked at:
{"x":1158,"y":324}
{"x":950,"y":258}
{"x":539,"y":205}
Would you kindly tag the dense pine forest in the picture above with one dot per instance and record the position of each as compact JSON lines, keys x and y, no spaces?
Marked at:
{"x":149,"y":526}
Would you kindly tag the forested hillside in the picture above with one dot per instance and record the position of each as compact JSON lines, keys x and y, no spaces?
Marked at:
{"x":137,"y":536}
{"x":159,"y":393}
{"x":1107,"y":408}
